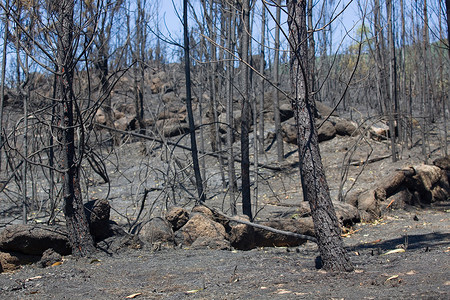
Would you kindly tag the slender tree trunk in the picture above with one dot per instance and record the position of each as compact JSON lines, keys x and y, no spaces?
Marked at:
{"x":441,"y":82}
{"x":22,"y":98}
{"x":187,"y":68}
{"x":139,"y":72}
{"x":26,"y":95}
{"x":76,"y":222}
{"x":212,"y":73}
{"x":447,"y":9}
{"x":232,"y":182}
{"x":51,"y":153}
{"x":276,"y":102}
{"x":101,"y":64}
{"x":379,"y":59}
{"x":314,"y":184}
{"x":2,"y":84}
{"x":444,"y":106}
{"x":402,"y":100}
{"x":245,"y":122}
{"x":392,"y":104}
{"x":261,"y":70}
{"x":425,"y":81}
{"x":312,"y":55}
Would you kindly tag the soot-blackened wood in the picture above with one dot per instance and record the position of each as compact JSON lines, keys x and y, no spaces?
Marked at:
{"x":314,"y":184}
{"x":447,"y":9}
{"x":245,"y":119}
{"x":77,"y":226}
{"x":187,"y":69}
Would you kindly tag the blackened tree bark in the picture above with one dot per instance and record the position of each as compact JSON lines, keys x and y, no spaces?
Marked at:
{"x":392,"y":103}
{"x":139,"y":68}
{"x":231,"y":16}
{"x":101,"y":62}
{"x":276,"y":99}
{"x":2,"y":83}
{"x":77,"y":226}
{"x":312,"y":55}
{"x":447,"y":9}
{"x":261,"y":70}
{"x":425,"y":99}
{"x":379,"y":57}
{"x":314,"y":184}
{"x":245,"y":120}
{"x":187,"y":68}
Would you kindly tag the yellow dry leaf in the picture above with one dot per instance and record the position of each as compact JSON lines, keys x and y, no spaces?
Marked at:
{"x":392,"y":277}
{"x":394,"y":251}
{"x":283,"y":291}
{"x":57,"y":263}
{"x":133,"y":295}
{"x":95,"y":260}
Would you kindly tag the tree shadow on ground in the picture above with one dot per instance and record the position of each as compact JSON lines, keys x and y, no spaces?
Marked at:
{"x":411,"y":242}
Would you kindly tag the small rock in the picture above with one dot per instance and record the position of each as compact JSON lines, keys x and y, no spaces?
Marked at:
{"x":286,"y":112}
{"x":49,"y":257}
{"x":326,"y":132}
{"x":265,"y":238}
{"x":346,"y":127}
{"x":324,"y":110}
{"x":203,"y":210}
{"x":242,"y":236}
{"x":97,"y":214}
{"x":156,"y":231}
{"x":10,"y":261}
{"x":172,"y":127}
{"x":443,"y":162}
{"x":211,"y":243}
{"x":34,"y":239}
{"x":200,"y":226}
{"x":368,"y":206}
{"x":177,"y":217}
{"x":289,"y":131}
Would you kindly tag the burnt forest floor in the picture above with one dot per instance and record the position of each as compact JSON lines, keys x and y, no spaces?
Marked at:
{"x":420,"y":272}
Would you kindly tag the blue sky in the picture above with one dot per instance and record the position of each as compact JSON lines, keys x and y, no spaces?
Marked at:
{"x":343,"y":27}
{"x":346,"y":22}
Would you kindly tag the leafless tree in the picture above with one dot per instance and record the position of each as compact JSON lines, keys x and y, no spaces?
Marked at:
{"x":314,"y":183}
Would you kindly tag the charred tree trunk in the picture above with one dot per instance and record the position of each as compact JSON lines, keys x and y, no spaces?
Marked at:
{"x":425,"y":83}
{"x":187,"y":68}
{"x":447,"y":9}
{"x":261,"y":70}
{"x":77,"y":226}
{"x":314,"y":184}
{"x":276,"y":100}
{"x":232,"y":182}
{"x":139,"y":68}
{"x":444,"y":101}
{"x":312,"y":55}
{"x":2,"y":84}
{"x":379,"y":58}
{"x":245,"y":123}
{"x":392,"y":104}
